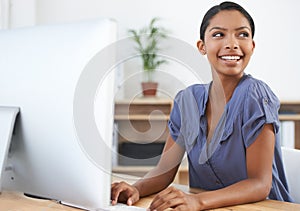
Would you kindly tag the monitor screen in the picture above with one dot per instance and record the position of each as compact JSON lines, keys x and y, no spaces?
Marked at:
{"x":60,"y":78}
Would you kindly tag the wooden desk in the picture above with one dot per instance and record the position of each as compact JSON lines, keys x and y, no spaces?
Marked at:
{"x":17,"y":202}
{"x":12,"y":201}
{"x":266,"y":205}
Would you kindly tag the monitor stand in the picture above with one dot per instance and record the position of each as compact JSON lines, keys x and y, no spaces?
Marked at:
{"x":7,"y":122}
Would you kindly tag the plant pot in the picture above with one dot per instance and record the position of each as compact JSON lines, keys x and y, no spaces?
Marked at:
{"x":149,"y":88}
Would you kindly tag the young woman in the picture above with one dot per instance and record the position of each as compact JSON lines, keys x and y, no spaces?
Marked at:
{"x":229,"y":128}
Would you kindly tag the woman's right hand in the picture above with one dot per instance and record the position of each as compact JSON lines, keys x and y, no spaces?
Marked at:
{"x":125,"y":193}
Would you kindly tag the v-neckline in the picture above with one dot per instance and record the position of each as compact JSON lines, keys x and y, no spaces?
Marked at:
{"x":224,"y":110}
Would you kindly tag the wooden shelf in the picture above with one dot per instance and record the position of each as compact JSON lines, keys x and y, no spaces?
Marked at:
{"x":126,"y":169}
{"x":121,"y":117}
{"x":290,"y":111}
{"x":145,"y":101}
{"x":140,"y":121}
{"x":289,"y":117}
{"x":290,"y":102}
{"x":140,"y":171}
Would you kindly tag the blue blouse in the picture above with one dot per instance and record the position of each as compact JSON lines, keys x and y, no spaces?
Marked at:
{"x":222,"y":162}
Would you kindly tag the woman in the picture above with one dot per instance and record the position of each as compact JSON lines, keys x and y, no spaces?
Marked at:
{"x":229,"y":128}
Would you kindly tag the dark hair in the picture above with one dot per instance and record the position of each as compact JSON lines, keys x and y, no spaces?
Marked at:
{"x":224,"y":6}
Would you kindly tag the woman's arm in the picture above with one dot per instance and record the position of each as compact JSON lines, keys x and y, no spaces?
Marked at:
{"x":164,"y":173}
{"x":155,"y":180}
{"x":259,"y":158}
{"x":256,"y":187}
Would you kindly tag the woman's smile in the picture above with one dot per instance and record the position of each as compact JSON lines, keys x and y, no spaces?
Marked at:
{"x":228,"y":43}
{"x":230,"y":60}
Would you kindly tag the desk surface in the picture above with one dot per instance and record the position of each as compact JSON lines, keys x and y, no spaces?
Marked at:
{"x":17,"y":201}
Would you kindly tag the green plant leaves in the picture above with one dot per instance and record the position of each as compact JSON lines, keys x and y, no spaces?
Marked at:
{"x":147,"y":42}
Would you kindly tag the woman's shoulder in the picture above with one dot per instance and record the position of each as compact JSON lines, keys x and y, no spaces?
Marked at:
{"x":197,"y":90}
{"x":193,"y":97}
{"x":254,"y":83}
{"x":257,"y":89}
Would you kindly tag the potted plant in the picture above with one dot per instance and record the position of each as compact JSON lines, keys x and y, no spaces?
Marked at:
{"x":147,"y":42}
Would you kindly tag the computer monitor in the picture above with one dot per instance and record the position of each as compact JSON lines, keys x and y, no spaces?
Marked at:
{"x":61,"y":80}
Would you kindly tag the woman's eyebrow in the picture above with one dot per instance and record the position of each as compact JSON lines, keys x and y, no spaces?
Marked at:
{"x":224,"y":29}
{"x":217,"y":28}
{"x":243,"y":27}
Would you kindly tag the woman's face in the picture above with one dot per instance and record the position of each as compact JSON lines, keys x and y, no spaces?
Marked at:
{"x":228,"y":43}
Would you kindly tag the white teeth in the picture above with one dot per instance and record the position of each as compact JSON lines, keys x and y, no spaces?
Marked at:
{"x":230,"y":57}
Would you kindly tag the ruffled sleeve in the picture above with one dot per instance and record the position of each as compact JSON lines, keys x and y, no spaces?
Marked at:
{"x":184,"y":119}
{"x":260,"y":108}
{"x":174,"y":123}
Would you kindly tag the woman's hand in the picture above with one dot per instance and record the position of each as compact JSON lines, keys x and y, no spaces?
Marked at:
{"x":176,"y":199}
{"x":125,"y":193}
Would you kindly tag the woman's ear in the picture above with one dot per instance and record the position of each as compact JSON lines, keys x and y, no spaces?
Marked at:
{"x":201,"y":47}
{"x":253,"y":46}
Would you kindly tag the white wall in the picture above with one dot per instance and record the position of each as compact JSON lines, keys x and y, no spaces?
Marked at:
{"x":17,"y":13}
{"x":275,"y":59}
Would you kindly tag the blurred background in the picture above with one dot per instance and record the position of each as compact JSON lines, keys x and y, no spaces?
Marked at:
{"x":275,"y":60}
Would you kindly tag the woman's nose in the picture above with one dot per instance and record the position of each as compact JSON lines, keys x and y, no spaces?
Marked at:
{"x":231,"y":43}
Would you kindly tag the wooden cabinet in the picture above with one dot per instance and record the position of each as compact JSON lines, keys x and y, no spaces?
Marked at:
{"x":142,"y":120}
{"x":290,"y":111}
{"x":142,"y":126}
{"x":141,"y":129}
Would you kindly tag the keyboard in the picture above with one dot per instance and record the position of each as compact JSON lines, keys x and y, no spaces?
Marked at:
{"x":124,"y":207}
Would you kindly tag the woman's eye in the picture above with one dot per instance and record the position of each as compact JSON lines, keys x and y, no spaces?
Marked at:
{"x":218,"y":34}
{"x":244,"y":34}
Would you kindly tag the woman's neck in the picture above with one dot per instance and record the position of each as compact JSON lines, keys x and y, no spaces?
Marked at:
{"x":220,"y":93}
{"x":223,"y":87}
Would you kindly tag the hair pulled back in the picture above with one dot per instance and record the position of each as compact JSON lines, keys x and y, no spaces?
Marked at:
{"x":227,"y":5}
